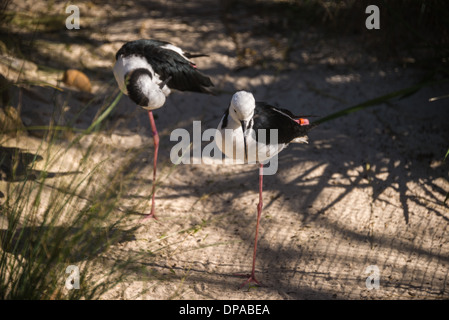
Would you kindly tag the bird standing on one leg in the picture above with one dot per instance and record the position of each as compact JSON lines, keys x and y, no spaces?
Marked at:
{"x":242,"y":117}
{"x":146,"y":70}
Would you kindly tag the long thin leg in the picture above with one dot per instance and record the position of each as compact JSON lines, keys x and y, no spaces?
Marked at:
{"x":252,"y":276}
{"x":156,"y":148}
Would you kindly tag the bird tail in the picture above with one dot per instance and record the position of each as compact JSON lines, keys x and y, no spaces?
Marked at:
{"x":193,"y":80}
{"x":195,"y":55}
{"x":205,"y":84}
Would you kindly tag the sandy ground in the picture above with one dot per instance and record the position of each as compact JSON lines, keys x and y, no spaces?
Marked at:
{"x":367,"y":190}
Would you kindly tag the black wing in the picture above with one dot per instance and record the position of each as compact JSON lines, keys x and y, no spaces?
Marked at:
{"x":266,"y":117}
{"x":166,"y":63}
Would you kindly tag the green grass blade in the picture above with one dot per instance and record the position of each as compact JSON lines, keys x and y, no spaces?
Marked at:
{"x":97,"y":121}
{"x":104,"y":114}
{"x":378,"y":101}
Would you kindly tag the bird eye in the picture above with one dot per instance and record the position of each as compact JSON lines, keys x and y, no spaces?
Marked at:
{"x":235,"y":111}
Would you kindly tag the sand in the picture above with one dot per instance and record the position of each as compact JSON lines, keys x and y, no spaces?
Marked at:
{"x":367,"y":190}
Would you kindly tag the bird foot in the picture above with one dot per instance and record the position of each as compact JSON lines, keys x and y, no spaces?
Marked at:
{"x":251,"y":278}
{"x":149,"y":216}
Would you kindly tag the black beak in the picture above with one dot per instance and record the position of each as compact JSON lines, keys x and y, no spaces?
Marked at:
{"x":163,"y":83}
{"x":243,"y":124}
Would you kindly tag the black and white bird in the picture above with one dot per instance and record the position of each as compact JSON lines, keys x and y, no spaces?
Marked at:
{"x":147,"y":70}
{"x":240,"y":128}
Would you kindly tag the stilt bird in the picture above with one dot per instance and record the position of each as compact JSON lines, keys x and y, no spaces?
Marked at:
{"x":147,"y":70}
{"x":240,"y":128}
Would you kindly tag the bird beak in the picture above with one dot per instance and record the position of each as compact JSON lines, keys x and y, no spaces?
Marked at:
{"x":243,"y":124}
{"x":163,"y":83}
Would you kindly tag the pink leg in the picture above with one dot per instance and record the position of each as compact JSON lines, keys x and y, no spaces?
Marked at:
{"x":156,"y":148}
{"x":252,"y":276}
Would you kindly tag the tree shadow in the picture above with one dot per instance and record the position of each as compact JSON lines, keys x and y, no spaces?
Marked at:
{"x":396,"y":174}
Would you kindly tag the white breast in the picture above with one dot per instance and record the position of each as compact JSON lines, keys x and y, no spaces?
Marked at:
{"x":231,"y":143}
{"x":230,"y":140}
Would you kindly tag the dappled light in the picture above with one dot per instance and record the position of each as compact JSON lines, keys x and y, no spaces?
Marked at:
{"x":369,"y":188}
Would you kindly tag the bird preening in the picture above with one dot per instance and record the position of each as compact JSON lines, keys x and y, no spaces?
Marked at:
{"x":147,"y":71}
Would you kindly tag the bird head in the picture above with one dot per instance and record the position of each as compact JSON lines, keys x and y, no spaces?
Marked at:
{"x":242,"y":108}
